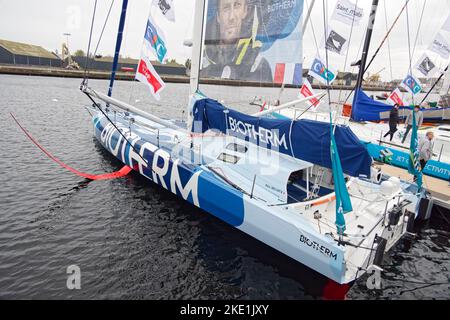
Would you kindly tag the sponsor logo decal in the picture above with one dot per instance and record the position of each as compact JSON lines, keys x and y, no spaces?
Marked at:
{"x":318,"y":247}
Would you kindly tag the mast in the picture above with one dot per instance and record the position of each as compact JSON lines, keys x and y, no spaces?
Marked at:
{"x":118,"y":45}
{"x":308,"y":16}
{"x":199,"y":16}
{"x":362,"y":66}
{"x":365,"y":52}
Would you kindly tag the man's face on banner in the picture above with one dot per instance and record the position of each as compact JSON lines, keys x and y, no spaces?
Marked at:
{"x":230,"y":15}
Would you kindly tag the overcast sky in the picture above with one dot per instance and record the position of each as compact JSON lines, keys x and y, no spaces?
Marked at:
{"x":43,"y":23}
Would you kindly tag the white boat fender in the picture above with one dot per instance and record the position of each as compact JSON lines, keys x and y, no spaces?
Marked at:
{"x":387,"y":188}
{"x":395,"y":181}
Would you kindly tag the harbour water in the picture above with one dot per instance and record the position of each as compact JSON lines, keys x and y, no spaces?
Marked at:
{"x":133,"y":240}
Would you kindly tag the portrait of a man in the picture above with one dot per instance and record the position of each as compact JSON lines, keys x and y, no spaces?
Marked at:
{"x":231,"y":48}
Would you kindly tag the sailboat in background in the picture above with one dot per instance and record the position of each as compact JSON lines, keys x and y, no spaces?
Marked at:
{"x":297,"y":186}
{"x":365,"y":115}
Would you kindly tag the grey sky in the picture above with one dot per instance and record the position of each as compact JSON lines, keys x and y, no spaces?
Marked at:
{"x":44,"y":22}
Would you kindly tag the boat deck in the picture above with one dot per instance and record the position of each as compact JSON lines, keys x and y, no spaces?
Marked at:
{"x":439,"y":189}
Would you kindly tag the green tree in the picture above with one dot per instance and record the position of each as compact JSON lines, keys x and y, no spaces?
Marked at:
{"x":79,"y":53}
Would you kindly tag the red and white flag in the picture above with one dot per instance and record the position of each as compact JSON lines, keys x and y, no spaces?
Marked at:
{"x":307,"y":91}
{"x":396,"y":98}
{"x":148,"y":75}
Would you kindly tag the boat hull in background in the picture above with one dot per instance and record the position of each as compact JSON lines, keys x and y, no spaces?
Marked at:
{"x":429,"y":115}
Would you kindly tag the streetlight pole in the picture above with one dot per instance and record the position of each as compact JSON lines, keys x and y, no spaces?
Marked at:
{"x":67,"y":41}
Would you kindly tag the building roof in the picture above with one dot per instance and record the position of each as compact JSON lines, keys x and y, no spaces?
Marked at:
{"x":136,"y":61}
{"x":24,"y":49}
{"x":121,"y":60}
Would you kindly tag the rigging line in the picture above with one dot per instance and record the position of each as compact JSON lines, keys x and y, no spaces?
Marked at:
{"x":381,"y":45}
{"x":124,"y":49}
{"x":348,"y":48}
{"x":325,"y":13}
{"x":103,"y":29}
{"x":317,"y":46}
{"x":312,"y":105}
{"x":418,"y":28}
{"x":434,"y":85}
{"x":388,"y":42}
{"x":409,"y":46}
{"x":315,"y":39}
{"x":89,"y":44}
{"x":118,"y":130}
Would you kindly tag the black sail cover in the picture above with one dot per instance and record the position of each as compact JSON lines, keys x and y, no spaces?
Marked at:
{"x":306,"y":140}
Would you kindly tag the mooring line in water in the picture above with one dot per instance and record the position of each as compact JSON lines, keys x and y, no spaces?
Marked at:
{"x":106,"y":176}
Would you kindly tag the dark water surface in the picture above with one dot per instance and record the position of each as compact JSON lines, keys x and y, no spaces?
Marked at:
{"x":134,"y":240}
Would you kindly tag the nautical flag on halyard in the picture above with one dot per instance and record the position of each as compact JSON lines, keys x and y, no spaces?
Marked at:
{"x":347,"y":12}
{"x":446,"y":26}
{"x":321,"y":73}
{"x":412,"y":84}
{"x":335,"y":42}
{"x":148,"y":75}
{"x":396,"y":98}
{"x":426,"y":66}
{"x":154,"y":40}
{"x":288,"y":73}
{"x":166,"y":8}
{"x":343,"y":203}
{"x":414,"y":163}
{"x":307,"y":91}
{"x":441,"y":46}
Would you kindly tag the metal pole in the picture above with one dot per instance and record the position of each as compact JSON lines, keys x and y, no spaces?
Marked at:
{"x":365,"y":53}
{"x":308,"y":16}
{"x":199,"y":16}
{"x":127,"y":107}
{"x":379,"y":47}
{"x":118,"y":45}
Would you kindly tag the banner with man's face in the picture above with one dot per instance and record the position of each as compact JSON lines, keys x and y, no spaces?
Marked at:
{"x":254,"y":40}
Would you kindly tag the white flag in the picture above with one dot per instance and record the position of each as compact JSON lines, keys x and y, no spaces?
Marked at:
{"x":426,"y":66}
{"x":347,"y":12}
{"x":166,"y":8}
{"x":440,"y":46}
{"x":446,"y":26}
{"x":335,"y":42}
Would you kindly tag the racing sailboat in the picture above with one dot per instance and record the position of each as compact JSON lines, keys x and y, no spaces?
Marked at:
{"x":279,"y":181}
{"x":365,"y":116}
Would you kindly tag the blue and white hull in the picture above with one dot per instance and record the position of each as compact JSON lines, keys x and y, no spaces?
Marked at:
{"x":305,"y":231}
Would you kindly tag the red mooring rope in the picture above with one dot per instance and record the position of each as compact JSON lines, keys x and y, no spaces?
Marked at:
{"x":118,"y":174}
